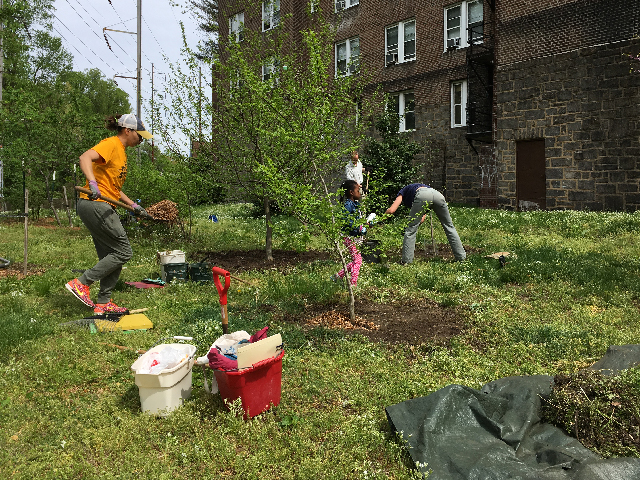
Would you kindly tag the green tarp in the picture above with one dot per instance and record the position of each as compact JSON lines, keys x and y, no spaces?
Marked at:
{"x":495,"y":433}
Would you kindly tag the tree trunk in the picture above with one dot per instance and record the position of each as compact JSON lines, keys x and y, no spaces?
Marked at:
{"x":50,"y":197}
{"x":347,"y":277}
{"x":66,"y":205}
{"x":269,"y":236}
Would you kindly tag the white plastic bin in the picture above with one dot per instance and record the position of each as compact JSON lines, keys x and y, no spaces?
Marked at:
{"x":161,"y":394}
{"x":171,"y":256}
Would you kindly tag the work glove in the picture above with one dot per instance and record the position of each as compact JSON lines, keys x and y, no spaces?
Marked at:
{"x":138,"y":210}
{"x":95,"y":191}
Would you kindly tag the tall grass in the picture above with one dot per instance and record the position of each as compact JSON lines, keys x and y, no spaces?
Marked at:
{"x":69,"y":407}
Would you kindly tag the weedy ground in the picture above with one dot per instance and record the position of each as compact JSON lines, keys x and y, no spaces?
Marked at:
{"x":69,"y":407}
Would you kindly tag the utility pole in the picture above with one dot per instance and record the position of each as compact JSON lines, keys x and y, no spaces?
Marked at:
{"x":138,"y":76}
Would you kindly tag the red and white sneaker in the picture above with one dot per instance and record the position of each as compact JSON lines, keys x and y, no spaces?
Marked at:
{"x":80,"y":291}
{"x":110,"y":307}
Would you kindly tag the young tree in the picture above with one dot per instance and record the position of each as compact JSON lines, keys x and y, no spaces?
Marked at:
{"x":283,"y":124}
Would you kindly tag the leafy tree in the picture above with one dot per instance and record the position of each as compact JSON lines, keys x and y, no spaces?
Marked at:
{"x":282,"y":125}
{"x":206,"y":11}
{"x":49,"y":114}
{"x":390,"y":158}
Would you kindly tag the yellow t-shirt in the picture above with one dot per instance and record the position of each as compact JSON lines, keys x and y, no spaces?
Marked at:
{"x":111,"y":170}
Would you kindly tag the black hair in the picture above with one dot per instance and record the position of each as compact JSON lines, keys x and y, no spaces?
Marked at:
{"x":111,"y":123}
{"x":346,"y":187}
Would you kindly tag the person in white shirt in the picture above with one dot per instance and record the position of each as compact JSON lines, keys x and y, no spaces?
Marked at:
{"x":354,"y":169}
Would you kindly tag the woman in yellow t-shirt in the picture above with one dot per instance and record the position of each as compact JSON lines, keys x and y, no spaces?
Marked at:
{"x":105,"y":167}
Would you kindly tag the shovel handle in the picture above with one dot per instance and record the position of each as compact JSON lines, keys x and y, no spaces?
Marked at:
{"x":225,"y":318}
{"x":113,"y":201}
{"x":222,"y":291}
{"x":107,"y":199}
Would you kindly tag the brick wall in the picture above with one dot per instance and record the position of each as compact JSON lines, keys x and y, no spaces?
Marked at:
{"x":560,"y":75}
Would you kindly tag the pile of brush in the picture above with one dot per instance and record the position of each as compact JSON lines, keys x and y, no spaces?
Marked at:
{"x":165,"y":210}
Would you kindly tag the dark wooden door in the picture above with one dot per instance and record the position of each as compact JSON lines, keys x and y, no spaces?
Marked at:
{"x":531,"y":188}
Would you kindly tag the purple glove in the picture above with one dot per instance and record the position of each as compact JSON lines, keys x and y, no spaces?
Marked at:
{"x":138,"y":210}
{"x":95,"y":191}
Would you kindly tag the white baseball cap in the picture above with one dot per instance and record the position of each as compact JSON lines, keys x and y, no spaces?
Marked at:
{"x":129,"y":120}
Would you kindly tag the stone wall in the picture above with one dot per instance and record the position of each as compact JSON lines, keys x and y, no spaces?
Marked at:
{"x":584,"y":104}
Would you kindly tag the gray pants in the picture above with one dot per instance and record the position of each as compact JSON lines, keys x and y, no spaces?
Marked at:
{"x":438,"y":204}
{"x":111,"y":242}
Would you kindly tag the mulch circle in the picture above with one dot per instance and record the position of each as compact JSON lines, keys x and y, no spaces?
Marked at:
{"x":414,"y":321}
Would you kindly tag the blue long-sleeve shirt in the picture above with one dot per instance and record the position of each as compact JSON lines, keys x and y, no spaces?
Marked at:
{"x":352,"y":215}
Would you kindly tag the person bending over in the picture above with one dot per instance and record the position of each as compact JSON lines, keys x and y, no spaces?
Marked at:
{"x":416,"y":196}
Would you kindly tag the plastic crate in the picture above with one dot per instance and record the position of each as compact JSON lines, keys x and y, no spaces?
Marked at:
{"x":259,"y":387}
{"x":200,"y":272}
{"x":179,"y":271}
{"x":171,"y":256}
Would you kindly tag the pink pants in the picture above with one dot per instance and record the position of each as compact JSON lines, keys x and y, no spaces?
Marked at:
{"x":356,"y":261}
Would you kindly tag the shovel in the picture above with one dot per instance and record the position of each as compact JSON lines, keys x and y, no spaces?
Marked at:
{"x":222,"y":293}
{"x":117,"y":203}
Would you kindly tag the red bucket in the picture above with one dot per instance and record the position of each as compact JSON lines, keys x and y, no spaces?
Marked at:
{"x":259,"y":387}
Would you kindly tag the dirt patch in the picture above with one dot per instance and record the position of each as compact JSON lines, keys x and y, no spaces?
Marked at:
{"x":242,"y":261}
{"x":284,"y":260}
{"x":17,"y":270}
{"x":414,"y":322}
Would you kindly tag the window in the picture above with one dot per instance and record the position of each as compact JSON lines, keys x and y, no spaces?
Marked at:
{"x":459,"y":103}
{"x":463,"y":24}
{"x":347,"y":56}
{"x":270,"y":14}
{"x":314,"y":5}
{"x":236,"y":24}
{"x":401,"y":51}
{"x":404,"y":106}
{"x":342,"y":4}
{"x":270,"y":70}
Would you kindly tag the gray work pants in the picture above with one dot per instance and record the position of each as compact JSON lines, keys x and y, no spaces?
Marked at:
{"x":436,"y":201}
{"x":111,"y":242}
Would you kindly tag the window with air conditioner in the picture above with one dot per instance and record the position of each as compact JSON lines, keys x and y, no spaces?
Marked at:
{"x":402,"y":105}
{"x":459,"y":103}
{"x":236,"y":24}
{"x":270,"y":70}
{"x":343,"y":4}
{"x":270,"y":14}
{"x":347,"y":56}
{"x":463,"y":24}
{"x":400,"y":42}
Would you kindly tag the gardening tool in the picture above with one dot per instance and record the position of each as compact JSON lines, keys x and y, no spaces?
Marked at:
{"x":111,"y":322}
{"x":222,"y":292}
{"x":117,"y":203}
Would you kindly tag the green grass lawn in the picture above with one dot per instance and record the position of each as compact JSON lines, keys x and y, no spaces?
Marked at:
{"x":69,"y":407}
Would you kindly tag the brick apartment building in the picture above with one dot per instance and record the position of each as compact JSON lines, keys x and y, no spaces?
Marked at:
{"x":526,"y":104}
